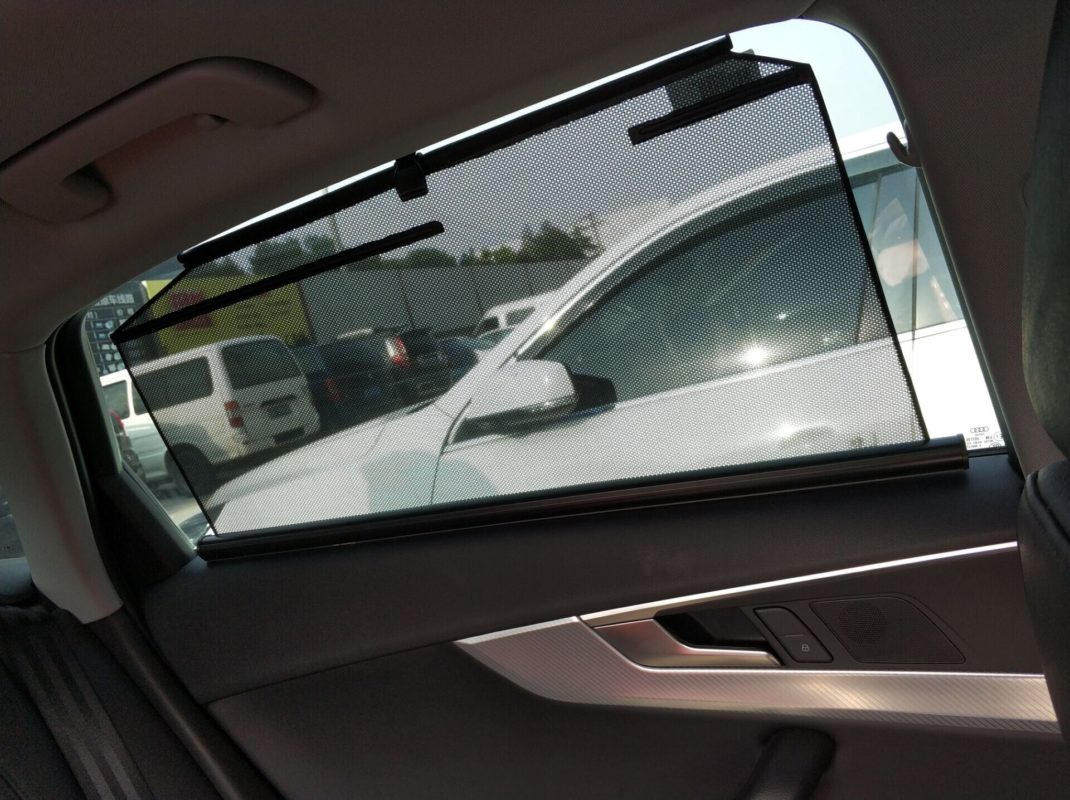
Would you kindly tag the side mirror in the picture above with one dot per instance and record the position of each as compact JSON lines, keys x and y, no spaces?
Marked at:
{"x":521,"y":396}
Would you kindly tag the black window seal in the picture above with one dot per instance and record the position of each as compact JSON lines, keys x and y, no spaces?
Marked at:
{"x":771,"y":477}
{"x":358,"y":253}
{"x":478,"y":144}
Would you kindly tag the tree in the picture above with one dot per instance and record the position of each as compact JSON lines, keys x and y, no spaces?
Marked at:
{"x":425,"y":257}
{"x":548,"y":243}
{"x":552,"y":243}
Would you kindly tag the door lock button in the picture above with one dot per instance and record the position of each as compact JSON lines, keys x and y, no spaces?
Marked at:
{"x":805,"y":647}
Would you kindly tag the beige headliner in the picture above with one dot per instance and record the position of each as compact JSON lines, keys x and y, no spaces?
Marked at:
{"x":395,"y":76}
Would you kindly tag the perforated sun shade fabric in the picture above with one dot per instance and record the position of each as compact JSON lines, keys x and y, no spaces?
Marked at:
{"x":678,"y":248}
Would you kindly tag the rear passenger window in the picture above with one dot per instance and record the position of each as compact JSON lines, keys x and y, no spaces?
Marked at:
{"x":174,"y":385}
{"x":672,"y":279}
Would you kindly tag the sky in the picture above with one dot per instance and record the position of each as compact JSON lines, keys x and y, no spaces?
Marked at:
{"x":854,"y":91}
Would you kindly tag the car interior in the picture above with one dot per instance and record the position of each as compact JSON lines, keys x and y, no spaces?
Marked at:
{"x":763,"y":495}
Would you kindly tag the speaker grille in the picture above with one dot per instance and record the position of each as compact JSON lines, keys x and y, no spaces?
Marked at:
{"x":862,"y":621}
{"x":886,"y":630}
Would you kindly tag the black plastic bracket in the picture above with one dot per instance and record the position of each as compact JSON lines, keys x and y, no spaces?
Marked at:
{"x":410,"y":180}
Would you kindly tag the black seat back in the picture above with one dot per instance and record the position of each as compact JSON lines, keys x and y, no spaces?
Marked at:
{"x":76,"y":724}
{"x":1044,"y":514}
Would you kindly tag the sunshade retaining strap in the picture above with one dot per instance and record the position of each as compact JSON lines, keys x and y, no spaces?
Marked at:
{"x":353,"y":254}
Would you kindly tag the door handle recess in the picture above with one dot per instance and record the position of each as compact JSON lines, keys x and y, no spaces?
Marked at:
{"x":792,"y":763}
{"x":646,"y":642}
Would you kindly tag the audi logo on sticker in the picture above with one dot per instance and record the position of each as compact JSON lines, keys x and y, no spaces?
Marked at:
{"x":981,"y":429}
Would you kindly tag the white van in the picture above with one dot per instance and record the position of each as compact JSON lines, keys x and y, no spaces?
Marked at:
{"x":228,"y":401}
{"x":122,"y":400}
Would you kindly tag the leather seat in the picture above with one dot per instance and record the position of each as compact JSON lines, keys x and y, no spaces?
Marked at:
{"x":1044,"y":513}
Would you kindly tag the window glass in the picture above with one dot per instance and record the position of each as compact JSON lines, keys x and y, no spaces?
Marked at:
{"x":180,"y":383}
{"x":866,"y":198}
{"x":388,"y":359}
{"x":701,"y":315}
{"x":937,"y":301}
{"x":115,"y":398}
{"x":256,"y":363}
{"x":892,"y":237}
{"x":910,"y":260}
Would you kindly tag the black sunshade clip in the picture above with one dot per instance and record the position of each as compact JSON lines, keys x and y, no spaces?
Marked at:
{"x":410,"y":180}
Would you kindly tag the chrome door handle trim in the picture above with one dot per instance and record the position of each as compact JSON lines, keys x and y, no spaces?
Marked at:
{"x":646,"y":642}
{"x":567,"y":661}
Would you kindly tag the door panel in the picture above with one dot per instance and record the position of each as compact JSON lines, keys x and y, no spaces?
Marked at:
{"x":433,"y":723}
{"x":337,"y":670}
{"x":333,"y":606}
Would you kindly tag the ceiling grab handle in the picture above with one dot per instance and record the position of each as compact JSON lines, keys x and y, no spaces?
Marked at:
{"x":49,"y":180}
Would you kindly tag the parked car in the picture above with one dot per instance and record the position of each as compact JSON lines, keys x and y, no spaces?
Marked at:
{"x":640,"y":355}
{"x":126,"y":406}
{"x":462,"y":353}
{"x":416,"y":365}
{"x":349,"y":379}
{"x":227,"y":402}
{"x":490,"y":339}
{"x":509,"y":315}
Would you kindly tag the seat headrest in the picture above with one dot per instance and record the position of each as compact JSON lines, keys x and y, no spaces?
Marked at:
{"x":1046,"y":286}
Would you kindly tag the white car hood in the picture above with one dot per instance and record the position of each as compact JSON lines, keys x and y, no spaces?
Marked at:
{"x":383,"y":465}
{"x":289,"y":481}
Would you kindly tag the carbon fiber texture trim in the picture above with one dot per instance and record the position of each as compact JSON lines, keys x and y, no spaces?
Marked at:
{"x":567,"y":661}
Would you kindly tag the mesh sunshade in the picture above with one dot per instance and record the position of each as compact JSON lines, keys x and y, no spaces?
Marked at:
{"x":682,"y":241}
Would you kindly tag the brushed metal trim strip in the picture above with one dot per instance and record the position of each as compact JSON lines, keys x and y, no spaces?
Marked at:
{"x":646,"y":642}
{"x":567,"y":661}
{"x":649,"y":610}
